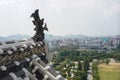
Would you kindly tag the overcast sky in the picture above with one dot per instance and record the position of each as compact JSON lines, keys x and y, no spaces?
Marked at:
{"x":87,"y":17}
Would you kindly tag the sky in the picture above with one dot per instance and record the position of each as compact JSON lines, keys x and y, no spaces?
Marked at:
{"x":63,"y":17}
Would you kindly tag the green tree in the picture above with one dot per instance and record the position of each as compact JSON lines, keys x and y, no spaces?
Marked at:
{"x":86,"y":64}
{"x":79,"y":65}
{"x":107,"y":61}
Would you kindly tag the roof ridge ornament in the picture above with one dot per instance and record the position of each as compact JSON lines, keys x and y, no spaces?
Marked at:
{"x":40,"y":26}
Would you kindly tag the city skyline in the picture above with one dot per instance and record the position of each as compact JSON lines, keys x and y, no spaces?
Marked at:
{"x":64,"y":17}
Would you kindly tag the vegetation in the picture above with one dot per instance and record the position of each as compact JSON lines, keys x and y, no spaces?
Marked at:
{"x":107,"y":61}
{"x":95,"y":71}
{"x":109,"y":72}
{"x":71,"y":61}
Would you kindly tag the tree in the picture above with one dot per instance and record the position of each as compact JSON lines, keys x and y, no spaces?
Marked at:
{"x":79,"y":65}
{"x":107,"y":61}
{"x":86,"y":64}
{"x":84,"y":76}
{"x":95,"y":72}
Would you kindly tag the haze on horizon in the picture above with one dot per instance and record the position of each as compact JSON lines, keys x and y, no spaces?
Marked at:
{"x":63,"y":17}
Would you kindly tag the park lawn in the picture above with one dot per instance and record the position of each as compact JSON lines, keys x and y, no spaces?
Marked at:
{"x":109,"y":72}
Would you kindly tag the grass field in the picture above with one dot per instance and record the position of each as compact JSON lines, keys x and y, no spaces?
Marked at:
{"x":109,"y":72}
